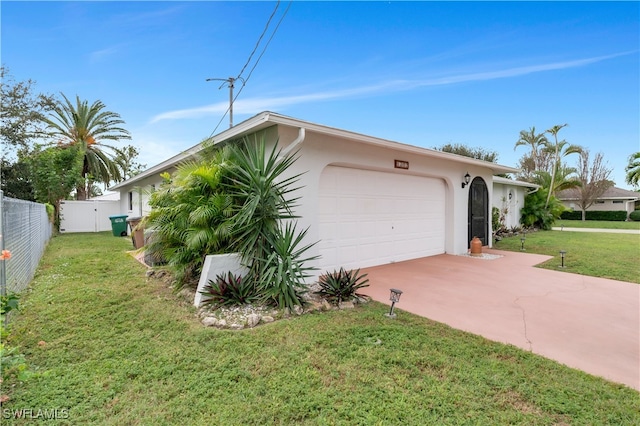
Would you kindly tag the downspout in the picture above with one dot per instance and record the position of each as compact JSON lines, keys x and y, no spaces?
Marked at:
{"x":140,"y":201}
{"x":296,"y":142}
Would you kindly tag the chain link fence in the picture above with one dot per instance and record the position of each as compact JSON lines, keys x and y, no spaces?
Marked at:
{"x":25,"y":231}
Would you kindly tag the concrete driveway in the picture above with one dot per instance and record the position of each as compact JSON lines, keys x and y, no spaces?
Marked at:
{"x":592,"y":324}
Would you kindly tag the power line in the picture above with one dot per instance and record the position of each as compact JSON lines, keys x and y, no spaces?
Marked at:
{"x":265,"y":48}
{"x":230,"y":81}
{"x":260,"y":39}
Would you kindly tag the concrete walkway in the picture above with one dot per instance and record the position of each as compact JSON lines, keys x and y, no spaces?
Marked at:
{"x":611,"y":231}
{"x":588,"y":323}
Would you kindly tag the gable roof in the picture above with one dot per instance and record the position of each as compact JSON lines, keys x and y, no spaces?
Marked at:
{"x":267,"y":119}
{"x":612,"y":193}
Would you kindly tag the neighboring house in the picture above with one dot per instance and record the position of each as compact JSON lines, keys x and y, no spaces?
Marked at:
{"x":508,"y":197}
{"x":614,"y":199}
{"x":366,"y":201}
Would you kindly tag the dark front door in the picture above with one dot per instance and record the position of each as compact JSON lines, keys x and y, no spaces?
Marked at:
{"x":478,"y":211}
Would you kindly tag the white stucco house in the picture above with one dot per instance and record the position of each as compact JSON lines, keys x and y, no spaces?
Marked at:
{"x":367,"y":201}
{"x":613,"y":199}
{"x":508,"y":197}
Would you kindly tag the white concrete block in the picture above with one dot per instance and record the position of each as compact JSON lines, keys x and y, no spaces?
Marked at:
{"x":215,"y":265}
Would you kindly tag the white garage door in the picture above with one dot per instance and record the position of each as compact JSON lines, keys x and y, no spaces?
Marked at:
{"x":369,"y":218}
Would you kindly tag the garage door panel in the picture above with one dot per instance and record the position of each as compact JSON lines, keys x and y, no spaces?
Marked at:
{"x":370,"y":218}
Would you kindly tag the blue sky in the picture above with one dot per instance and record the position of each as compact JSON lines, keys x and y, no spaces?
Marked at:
{"x":422,"y":73}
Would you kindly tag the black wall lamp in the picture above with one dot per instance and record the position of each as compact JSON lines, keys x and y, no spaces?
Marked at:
{"x":467,"y":178}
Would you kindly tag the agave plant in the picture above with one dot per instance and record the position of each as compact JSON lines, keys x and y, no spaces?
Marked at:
{"x":229,"y":290}
{"x":338,"y":286}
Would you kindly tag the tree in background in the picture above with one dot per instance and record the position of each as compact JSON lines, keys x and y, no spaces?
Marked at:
{"x":16,"y":179}
{"x":633,"y":170}
{"x":559,"y":149}
{"x":56,"y":172}
{"x":21,"y":113}
{"x":85,"y":127}
{"x":477,"y":153}
{"x":594,"y":180}
{"x":126,"y":160}
{"x":566,"y":178}
{"x":538,"y":157}
{"x":543,"y":166}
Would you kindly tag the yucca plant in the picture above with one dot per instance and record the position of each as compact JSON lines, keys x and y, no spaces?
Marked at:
{"x":342,"y":285}
{"x":282,"y":278}
{"x":263,"y":193}
{"x":229,"y":290}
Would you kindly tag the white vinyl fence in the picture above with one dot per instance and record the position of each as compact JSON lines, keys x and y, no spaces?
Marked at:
{"x":25,"y":230}
{"x":87,"y":216}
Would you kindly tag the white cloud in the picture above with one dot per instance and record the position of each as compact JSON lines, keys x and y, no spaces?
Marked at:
{"x":514,"y":72}
{"x":101,"y":55}
{"x":255,"y":105}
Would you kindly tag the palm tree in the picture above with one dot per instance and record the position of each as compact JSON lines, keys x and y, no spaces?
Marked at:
{"x":633,"y":170}
{"x":566,"y":178}
{"x":86,"y":126}
{"x":558,"y":149}
{"x":190,"y":216}
{"x":536,"y":141}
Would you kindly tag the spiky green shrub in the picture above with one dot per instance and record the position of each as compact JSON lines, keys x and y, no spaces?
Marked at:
{"x":270,"y":249}
{"x":534,"y":212}
{"x":338,"y":286}
{"x":229,"y":290}
{"x":191,"y":216}
{"x":281,"y":280}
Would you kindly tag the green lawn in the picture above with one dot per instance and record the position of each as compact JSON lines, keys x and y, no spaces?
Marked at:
{"x":597,"y":224}
{"x":121,"y":350}
{"x":607,"y":255}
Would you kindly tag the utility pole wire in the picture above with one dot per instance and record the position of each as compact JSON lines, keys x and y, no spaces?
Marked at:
{"x":244,"y":81}
{"x":259,"y":39}
{"x":230,"y":81}
{"x":265,"y":47}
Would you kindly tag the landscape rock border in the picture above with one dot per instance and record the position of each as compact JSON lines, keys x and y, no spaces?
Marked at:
{"x":251,"y":316}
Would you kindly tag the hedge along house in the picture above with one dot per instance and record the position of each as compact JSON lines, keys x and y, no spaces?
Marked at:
{"x":366,"y":201}
{"x":614,"y":200}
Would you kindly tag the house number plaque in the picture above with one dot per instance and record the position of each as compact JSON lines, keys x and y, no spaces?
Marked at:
{"x":400,"y":164}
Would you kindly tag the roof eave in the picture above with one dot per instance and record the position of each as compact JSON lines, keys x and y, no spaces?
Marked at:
{"x":372,"y":140}
{"x":267,"y":118}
